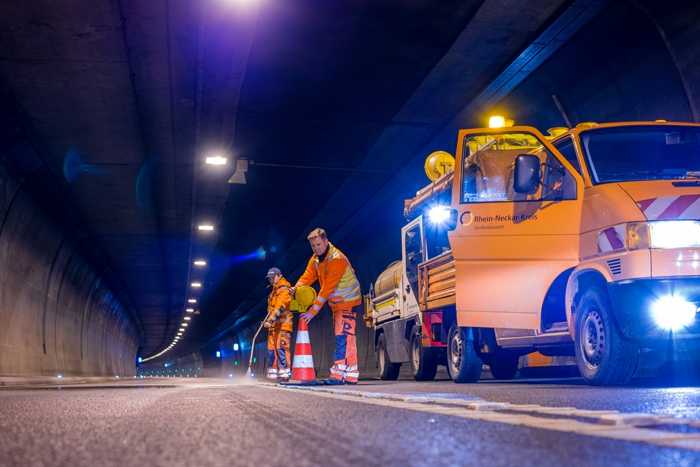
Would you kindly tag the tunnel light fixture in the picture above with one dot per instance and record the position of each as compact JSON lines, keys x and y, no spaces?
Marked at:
{"x":196,"y":285}
{"x":217,"y":160}
{"x":187,"y":318}
{"x":192,"y":300}
{"x":205,"y":227}
{"x":181,"y":329}
{"x":189,"y":310}
{"x":185,"y":324}
{"x":200,"y":263}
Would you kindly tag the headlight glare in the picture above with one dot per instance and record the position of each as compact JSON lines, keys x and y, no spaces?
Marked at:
{"x":673,"y":312}
{"x":674,"y":234}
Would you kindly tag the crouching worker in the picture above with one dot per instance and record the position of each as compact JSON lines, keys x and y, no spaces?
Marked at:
{"x":341,"y":290}
{"x":279,"y":326}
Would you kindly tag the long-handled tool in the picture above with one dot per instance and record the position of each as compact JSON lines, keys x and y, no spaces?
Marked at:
{"x":249,"y":373}
{"x":303,"y":299}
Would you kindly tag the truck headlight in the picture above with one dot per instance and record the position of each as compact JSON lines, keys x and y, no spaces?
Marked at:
{"x":443,"y":216}
{"x":663,"y":234}
{"x":673,"y":312}
{"x":674,"y":234}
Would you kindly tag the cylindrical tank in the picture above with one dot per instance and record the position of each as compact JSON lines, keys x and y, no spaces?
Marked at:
{"x":388,"y":280}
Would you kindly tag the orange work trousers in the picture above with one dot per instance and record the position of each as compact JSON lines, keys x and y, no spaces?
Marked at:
{"x":345,"y":363}
{"x":278,"y":351}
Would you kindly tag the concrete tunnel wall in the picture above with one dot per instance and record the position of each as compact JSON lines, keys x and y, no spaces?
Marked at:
{"x":56,"y":314}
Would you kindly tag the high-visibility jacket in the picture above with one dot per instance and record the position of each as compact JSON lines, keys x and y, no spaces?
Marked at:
{"x":278,"y":312}
{"x":337,"y":279}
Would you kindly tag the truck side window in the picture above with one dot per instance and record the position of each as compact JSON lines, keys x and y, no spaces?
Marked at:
{"x":488,"y":177}
{"x":568,"y":150}
{"x":557,"y":182}
{"x":414,"y":255}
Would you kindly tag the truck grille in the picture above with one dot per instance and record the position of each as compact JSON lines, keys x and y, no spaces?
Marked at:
{"x":615,"y":266}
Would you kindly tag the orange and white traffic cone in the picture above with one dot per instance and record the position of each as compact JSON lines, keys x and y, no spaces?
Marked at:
{"x":303,"y":363}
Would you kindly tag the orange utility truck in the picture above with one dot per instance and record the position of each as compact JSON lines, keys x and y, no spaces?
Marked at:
{"x":585,"y":242}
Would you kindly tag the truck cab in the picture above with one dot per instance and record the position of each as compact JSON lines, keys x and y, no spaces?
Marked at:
{"x":587,"y":243}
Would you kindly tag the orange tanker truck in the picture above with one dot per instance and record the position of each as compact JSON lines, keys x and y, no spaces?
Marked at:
{"x":582,"y":243}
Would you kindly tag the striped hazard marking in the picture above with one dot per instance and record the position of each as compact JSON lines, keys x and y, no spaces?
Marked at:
{"x":658,"y":430}
{"x":671,"y":207}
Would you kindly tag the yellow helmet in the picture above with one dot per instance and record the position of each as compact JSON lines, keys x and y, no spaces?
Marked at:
{"x":304,"y":297}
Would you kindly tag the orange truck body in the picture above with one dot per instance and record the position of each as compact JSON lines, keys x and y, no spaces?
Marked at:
{"x":527,"y":271}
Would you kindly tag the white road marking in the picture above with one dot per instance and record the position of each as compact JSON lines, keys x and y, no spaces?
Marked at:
{"x":608,"y":424}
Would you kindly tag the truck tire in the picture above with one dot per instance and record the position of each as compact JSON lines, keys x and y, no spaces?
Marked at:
{"x":504,"y":365}
{"x":603,"y":355}
{"x":388,"y":371}
{"x":423,"y":361}
{"x":463,"y":363}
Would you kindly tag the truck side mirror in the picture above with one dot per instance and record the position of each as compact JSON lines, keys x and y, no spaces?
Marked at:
{"x":527,"y":176}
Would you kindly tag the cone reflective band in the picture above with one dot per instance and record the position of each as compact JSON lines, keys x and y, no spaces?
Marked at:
{"x":303,"y":363}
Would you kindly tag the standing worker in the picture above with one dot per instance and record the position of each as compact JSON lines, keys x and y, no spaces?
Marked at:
{"x":279,"y":326}
{"x":341,"y":289}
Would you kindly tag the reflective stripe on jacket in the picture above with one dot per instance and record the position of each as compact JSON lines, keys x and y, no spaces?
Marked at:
{"x":278,"y":302}
{"x":337,"y":279}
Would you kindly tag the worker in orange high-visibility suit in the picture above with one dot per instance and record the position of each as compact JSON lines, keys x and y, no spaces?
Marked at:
{"x":341,"y":289}
{"x":279,"y":323}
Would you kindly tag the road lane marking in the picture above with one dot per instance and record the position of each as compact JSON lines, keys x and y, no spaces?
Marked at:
{"x":610,"y":424}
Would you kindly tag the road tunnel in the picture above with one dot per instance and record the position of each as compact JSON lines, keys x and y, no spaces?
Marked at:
{"x":160,"y":157}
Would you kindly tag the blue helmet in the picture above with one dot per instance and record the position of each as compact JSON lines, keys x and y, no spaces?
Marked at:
{"x":272,"y":272}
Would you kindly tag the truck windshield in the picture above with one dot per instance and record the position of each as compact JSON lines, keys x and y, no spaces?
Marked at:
{"x":642,"y":153}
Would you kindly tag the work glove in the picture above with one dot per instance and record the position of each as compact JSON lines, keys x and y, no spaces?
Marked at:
{"x":308,"y":316}
{"x":267,"y":324}
{"x":293,"y":291}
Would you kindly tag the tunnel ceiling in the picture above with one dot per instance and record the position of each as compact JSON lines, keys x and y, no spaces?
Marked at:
{"x":114,"y":104}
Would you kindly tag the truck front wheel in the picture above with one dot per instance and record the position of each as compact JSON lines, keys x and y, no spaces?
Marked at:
{"x":603,"y":355}
{"x":423,"y":361}
{"x":463,"y":363}
{"x":387,"y":369}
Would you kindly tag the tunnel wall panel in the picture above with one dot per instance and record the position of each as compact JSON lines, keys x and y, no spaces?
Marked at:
{"x":57,"y":316}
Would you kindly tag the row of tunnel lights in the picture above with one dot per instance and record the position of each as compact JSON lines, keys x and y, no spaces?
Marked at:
{"x":216,"y":160}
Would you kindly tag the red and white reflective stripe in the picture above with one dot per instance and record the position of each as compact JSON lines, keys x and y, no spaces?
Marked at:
{"x":671,"y":207}
{"x":303,"y":337}
{"x":303,"y":361}
{"x":612,"y":239}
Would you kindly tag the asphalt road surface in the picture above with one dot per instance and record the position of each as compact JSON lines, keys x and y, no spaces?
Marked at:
{"x":194,"y":422}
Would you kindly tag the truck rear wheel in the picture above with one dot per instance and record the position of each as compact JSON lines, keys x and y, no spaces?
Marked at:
{"x":463,"y":363}
{"x":423,"y":361}
{"x":603,"y":355}
{"x":387,"y":369}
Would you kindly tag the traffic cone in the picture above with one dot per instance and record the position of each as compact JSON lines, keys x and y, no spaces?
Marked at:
{"x":303,"y":363}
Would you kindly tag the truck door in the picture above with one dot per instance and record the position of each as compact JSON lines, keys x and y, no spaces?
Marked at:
{"x":413,"y":248}
{"x":509,"y":247}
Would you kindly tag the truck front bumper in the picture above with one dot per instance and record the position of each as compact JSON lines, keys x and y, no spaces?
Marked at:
{"x":633,"y":303}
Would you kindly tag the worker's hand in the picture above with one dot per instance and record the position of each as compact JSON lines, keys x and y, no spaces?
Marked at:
{"x":267,"y":324}
{"x":307,"y":317}
{"x":292,"y":291}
